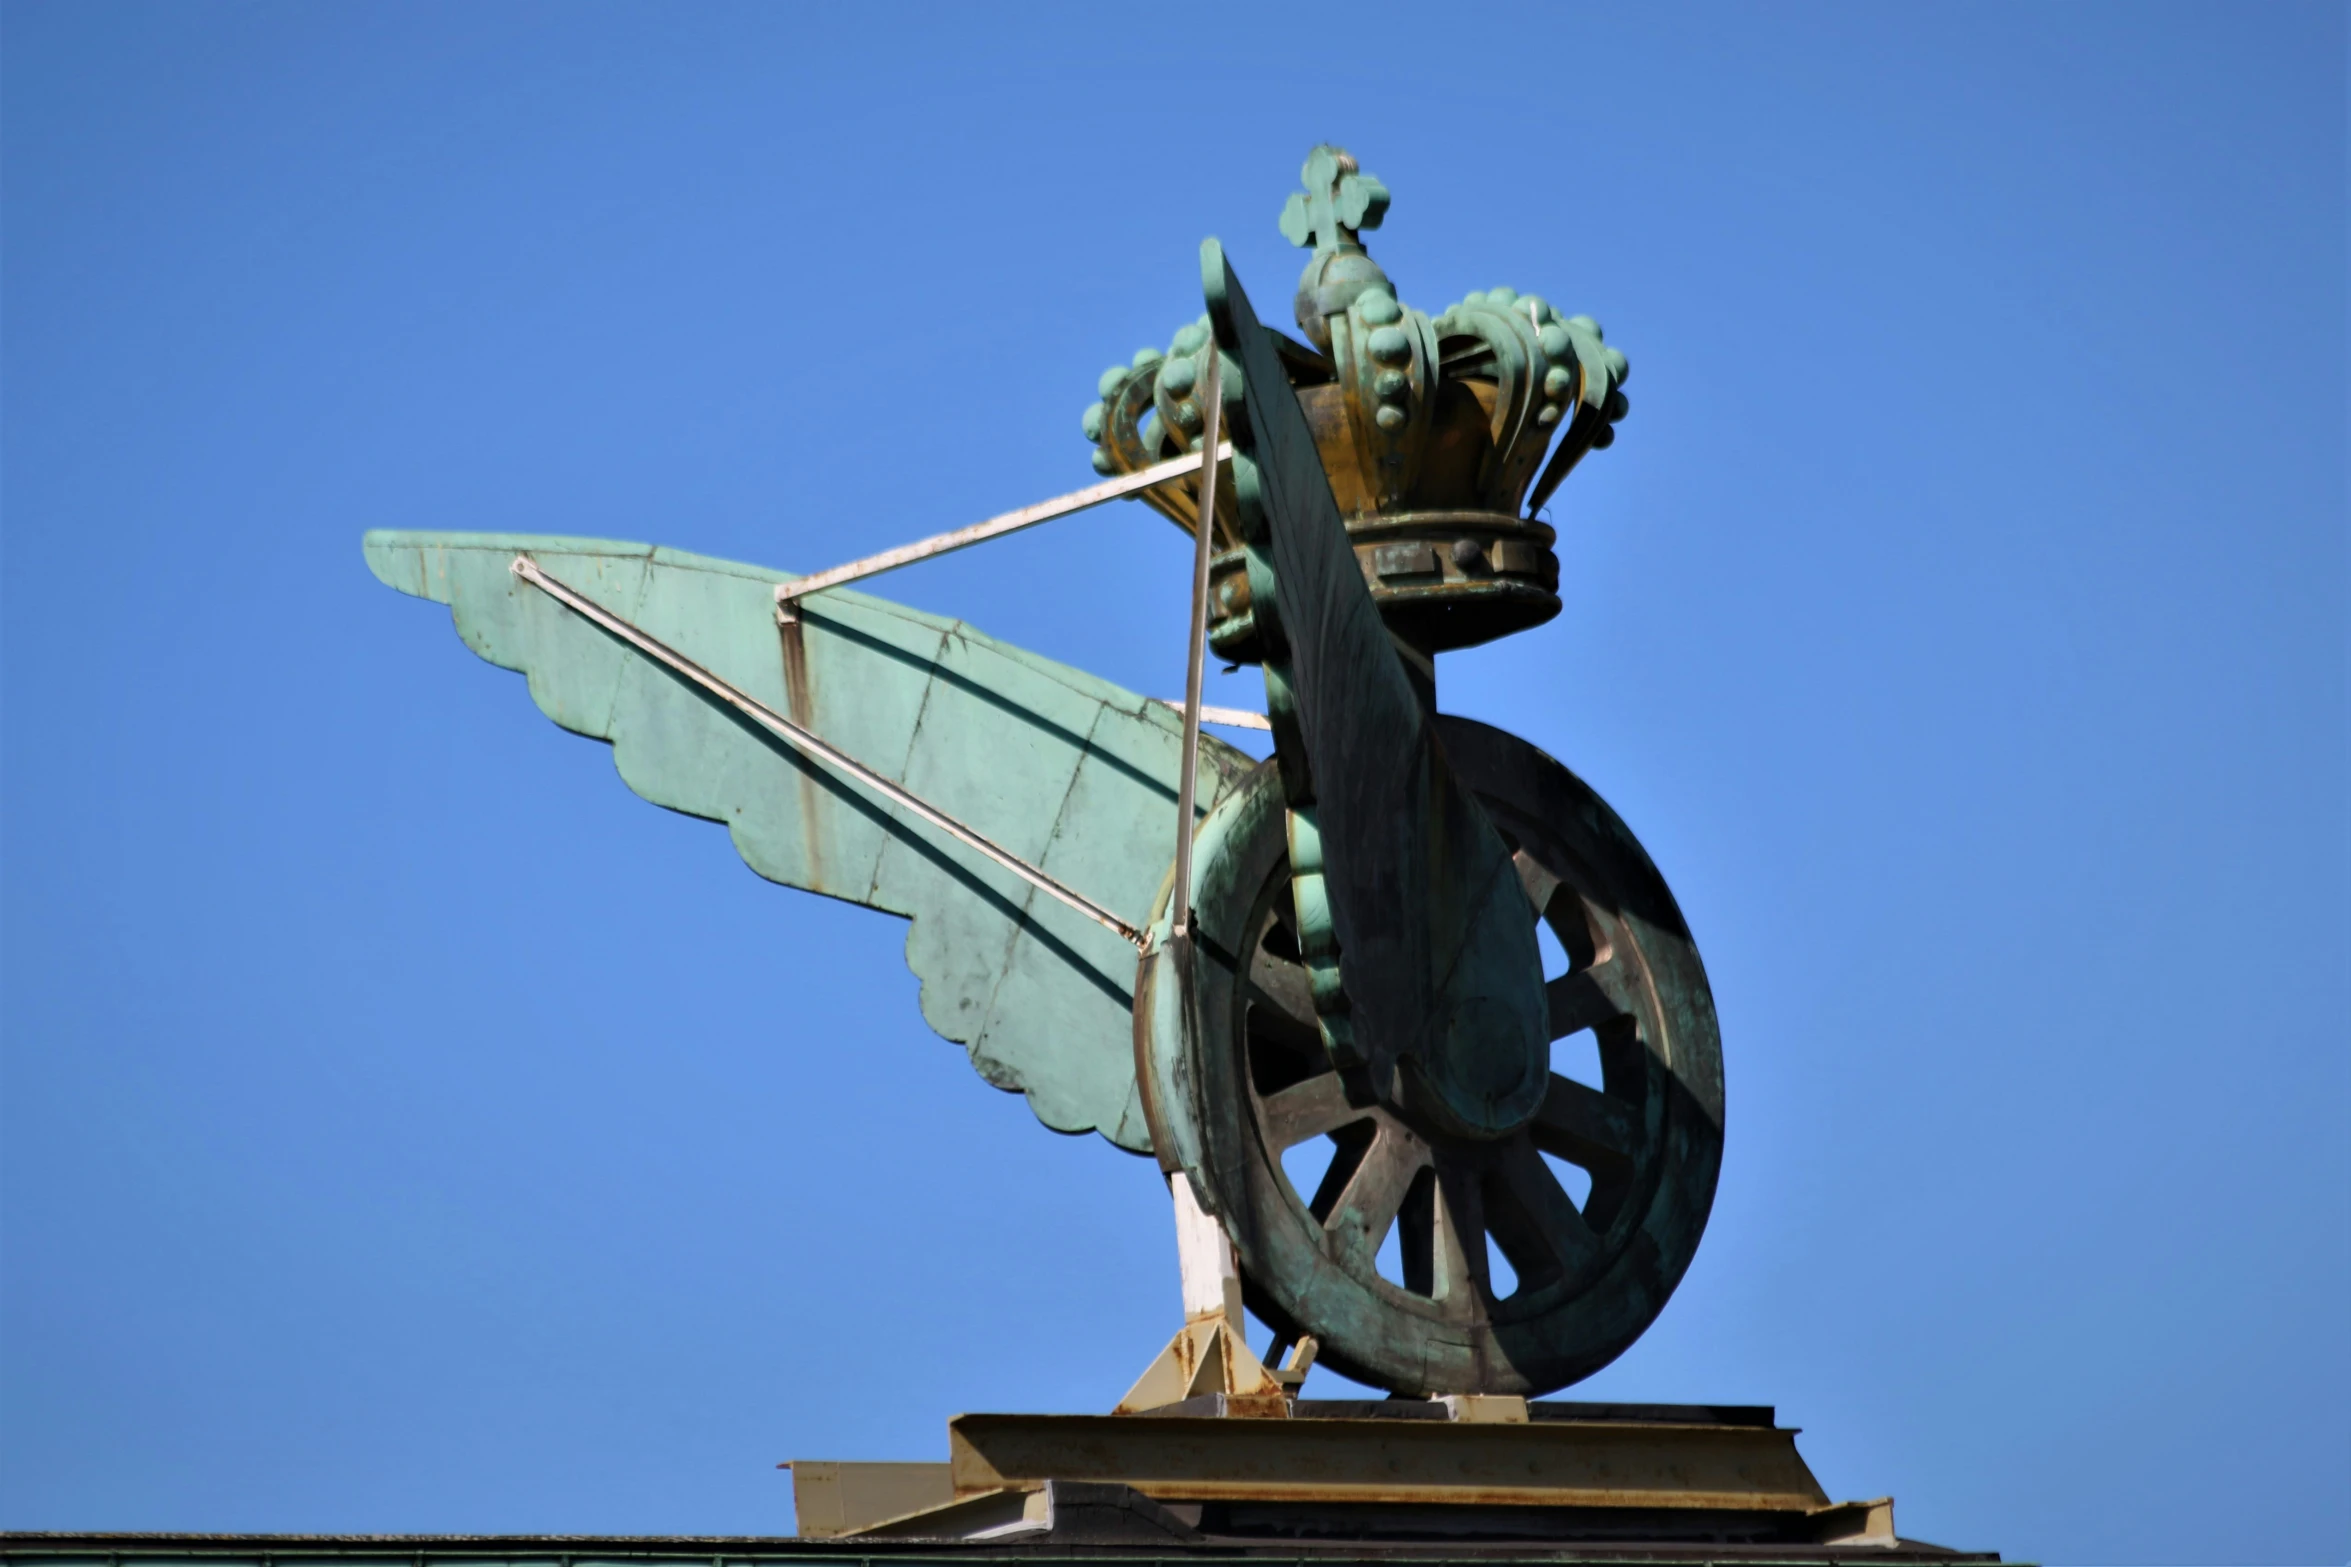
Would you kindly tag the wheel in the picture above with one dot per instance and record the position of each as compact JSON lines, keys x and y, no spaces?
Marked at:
{"x":1501,"y":1278}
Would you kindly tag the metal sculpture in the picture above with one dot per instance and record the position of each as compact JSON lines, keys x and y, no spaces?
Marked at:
{"x":1339,"y":949}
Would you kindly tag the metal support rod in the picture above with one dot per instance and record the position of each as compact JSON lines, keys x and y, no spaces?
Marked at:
{"x":1195,"y":662}
{"x":808,"y":744}
{"x":996,"y":527}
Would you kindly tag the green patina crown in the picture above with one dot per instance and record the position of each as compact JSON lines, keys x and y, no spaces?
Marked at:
{"x":1433,"y":431}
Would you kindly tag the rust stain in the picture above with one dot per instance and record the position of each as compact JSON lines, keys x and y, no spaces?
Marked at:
{"x":801,"y":707}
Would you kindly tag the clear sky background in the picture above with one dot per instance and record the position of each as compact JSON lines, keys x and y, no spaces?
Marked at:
{"x":403,"y":1127}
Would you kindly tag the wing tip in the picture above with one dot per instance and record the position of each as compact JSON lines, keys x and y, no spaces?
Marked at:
{"x":396,"y":560}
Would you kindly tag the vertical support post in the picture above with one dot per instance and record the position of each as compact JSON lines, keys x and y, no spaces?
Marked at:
{"x":1204,"y":1259}
{"x":1195,"y":664}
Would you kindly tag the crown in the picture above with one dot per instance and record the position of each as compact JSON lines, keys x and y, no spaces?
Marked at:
{"x":1433,"y":431}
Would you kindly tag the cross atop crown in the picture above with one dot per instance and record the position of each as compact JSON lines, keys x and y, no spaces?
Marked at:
{"x":1339,"y":201}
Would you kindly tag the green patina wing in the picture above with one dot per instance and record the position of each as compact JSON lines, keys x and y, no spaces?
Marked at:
{"x":1066,"y":771}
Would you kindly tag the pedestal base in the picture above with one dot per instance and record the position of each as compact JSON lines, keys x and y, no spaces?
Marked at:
{"x":1396,"y":1479}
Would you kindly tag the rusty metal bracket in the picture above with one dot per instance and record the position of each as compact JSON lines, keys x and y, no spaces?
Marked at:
{"x":811,"y":745}
{"x":996,"y":527}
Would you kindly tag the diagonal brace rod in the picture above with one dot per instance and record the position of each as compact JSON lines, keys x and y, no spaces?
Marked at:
{"x":808,"y":744}
{"x":995,"y":527}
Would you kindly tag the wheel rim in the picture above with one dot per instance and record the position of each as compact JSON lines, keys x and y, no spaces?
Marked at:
{"x":1592,"y":1265}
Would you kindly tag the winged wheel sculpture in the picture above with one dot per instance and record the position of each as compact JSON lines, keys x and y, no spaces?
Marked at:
{"x":1337,"y":1034}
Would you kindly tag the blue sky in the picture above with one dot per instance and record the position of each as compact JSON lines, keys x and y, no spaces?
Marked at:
{"x":402,"y":1127}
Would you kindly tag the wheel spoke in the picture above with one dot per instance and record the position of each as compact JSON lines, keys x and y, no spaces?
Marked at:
{"x":1585,"y":1126}
{"x":1581,"y":999}
{"x":1278,"y":992}
{"x":1416,"y":1235}
{"x":1307,"y":1109}
{"x":1549,"y":1225}
{"x":1458,"y":1249}
{"x":1539,"y":883}
{"x":1285,"y":919}
{"x":1350,"y":1144}
{"x":1377,"y":1189}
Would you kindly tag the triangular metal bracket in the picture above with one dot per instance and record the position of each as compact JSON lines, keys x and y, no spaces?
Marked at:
{"x":1211,"y":1354}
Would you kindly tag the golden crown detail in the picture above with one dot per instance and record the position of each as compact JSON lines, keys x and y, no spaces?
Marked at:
{"x":1442,"y":436}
